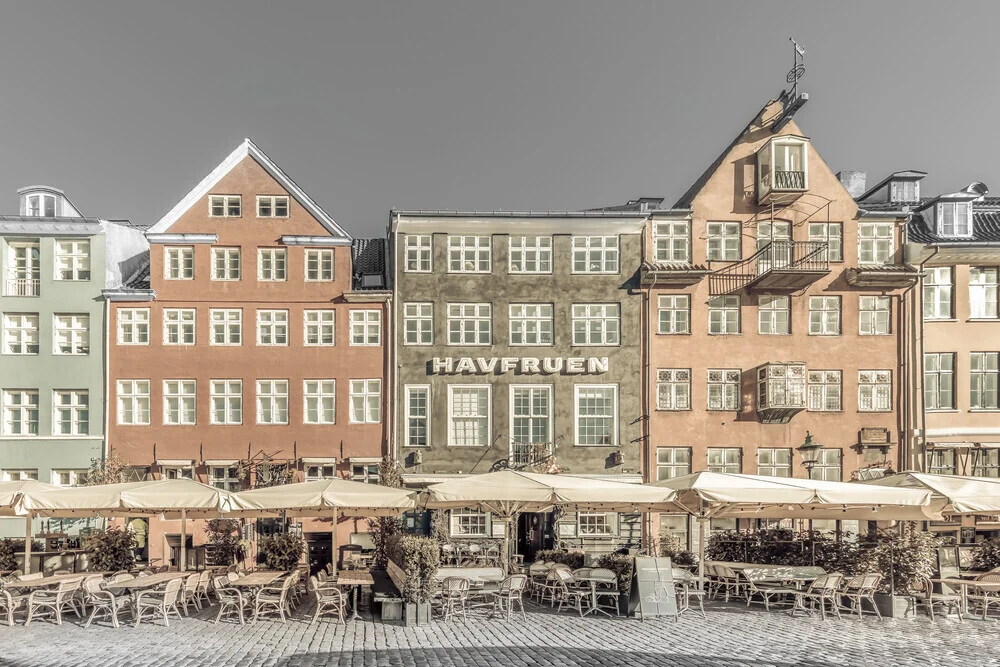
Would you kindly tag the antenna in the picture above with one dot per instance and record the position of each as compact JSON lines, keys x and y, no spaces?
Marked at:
{"x":798,"y":69}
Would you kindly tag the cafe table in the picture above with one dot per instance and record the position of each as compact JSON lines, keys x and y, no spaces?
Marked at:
{"x":592,"y":582}
{"x":258,"y":579}
{"x":143,"y":583}
{"x":45,"y":582}
{"x":963,"y":584}
{"x":355,"y":579}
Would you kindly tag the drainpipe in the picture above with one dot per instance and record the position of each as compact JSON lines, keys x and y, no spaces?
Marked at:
{"x":107,"y":378}
{"x":647,"y":435}
{"x":393,"y":365}
{"x":920,"y":360}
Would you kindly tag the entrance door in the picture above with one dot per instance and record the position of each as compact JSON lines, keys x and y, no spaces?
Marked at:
{"x":531,"y":527}
{"x":319,"y":552}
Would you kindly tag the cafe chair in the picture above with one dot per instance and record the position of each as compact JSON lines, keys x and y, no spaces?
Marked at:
{"x":159,"y":603}
{"x":103,"y":602}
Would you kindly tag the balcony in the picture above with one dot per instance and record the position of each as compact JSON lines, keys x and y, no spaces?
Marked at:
{"x":888,"y":276}
{"x":672,"y":274}
{"x":23,"y":287}
{"x":781,"y":391}
{"x":529,"y":454}
{"x":780,"y":266}
{"x":782,"y":170}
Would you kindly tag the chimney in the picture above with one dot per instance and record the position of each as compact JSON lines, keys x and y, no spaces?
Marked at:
{"x":854,"y":182}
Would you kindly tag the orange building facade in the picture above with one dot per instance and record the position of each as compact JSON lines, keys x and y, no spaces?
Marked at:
{"x":251,"y":347}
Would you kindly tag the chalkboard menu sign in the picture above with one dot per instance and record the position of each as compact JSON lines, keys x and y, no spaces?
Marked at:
{"x":653,"y":591}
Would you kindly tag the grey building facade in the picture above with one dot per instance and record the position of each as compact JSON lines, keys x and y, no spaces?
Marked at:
{"x":518,"y":343}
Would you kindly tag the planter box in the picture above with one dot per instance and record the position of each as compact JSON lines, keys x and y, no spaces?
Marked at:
{"x":392,"y":610}
{"x":623,"y":600}
{"x":892,"y":606}
{"x":416,"y":614}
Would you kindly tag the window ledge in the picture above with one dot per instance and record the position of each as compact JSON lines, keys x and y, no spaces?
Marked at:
{"x":941,"y":410}
{"x":660,"y":333}
{"x":875,"y":412}
{"x":983,"y":410}
{"x":940,"y":319}
{"x":761,"y":333}
{"x":983,"y":319}
{"x":825,"y":335}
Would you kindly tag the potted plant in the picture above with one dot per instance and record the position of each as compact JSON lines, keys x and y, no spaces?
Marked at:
{"x":574,"y":559}
{"x":986,"y":554}
{"x":902,"y":555}
{"x":622,"y":565}
{"x":110,"y":550}
{"x":413,"y":562}
{"x":282,"y":551}
{"x":670,"y":547}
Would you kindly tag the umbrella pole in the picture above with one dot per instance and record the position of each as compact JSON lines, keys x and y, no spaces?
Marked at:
{"x":508,"y":524}
{"x":702,"y":538}
{"x":27,"y":544}
{"x":183,"y":540}
{"x":333,"y":544}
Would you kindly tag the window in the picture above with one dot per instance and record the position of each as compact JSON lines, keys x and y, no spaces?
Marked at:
{"x":941,"y":461}
{"x":20,"y":412}
{"x":69,"y":477}
{"x":179,"y":400}
{"x":874,"y":316}
{"x":176,"y":472}
{"x":469,"y":523}
{"x":724,"y":241}
{"x":530,"y":421}
{"x":178,"y":263}
{"x":939,"y":381}
{"x":71,"y":334}
{"x":938,"y":286}
{"x":595,"y":254}
{"x":40,"y":206}
{"x":954,"y":218}
{"x":366,"y":327}
{"x":418,"y":416}
{"x":269,"y":206}
{"x":874,"y":391}
{"x":23,"y":269}
{"x":469,"y":416}
{"x":777,"y":235}
{"x":418,"y":254}
{"x":832,"y":234}
{"x":133,"y":326}
{"x":674,"y":314}
{"x":314,"y":473}
{"x":418,"y":323}
{"x":825,"y":391}
{"x":530,"y":324}
{"x":133,"y":402}
{"x":986,"y":463}
{"x":724,"y":389}
{"x":672,"y":242}
{"x":272,"y":327}
{"x":983,"y":292}
{"x":366,"y":401}
{"x":876,"y":243}
{"x":366,"y":473}
{"x":178,"y":326}
{"x":824,"y":316}
{"x":727,"y":460}
{"x":272,"y":264}
{"x":983,"y":371}
{"x":774,"y":462}
{"x":225,"y":206}
{"x":724,"y":315}
{"x":71,"y":412}
{"x":594,"y":524}
{"x":773,"y":314}
{"x":781,"y":386}
{"x":530,"y":254}
{"x":470,"y":324}
{"x":318,"y":327}
{"x":227,"y":327}
{"x":20,"y":333}
{"x":224,"y":477}
{"x":827,"y":466}
{"x":469,"y":254}
{"x":72,"y":260}
{"x":596,"y":414}
{"x":272,"y":401}
{"x":672,"y":462}
{"x":227,"y":401}
{"x":673,"y":389}
{"x":225,"y":263}
{"x":20,"y":475}
{"x":319,"y":401}
{"x":319,"y":265}
{"x":904,"y":191}
{"x":596,"y":324}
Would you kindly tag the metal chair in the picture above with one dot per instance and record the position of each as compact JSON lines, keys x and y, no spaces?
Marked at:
{"x":56,"y":600}
{"x":159,"y":602}
{"x":860,"y":589}
{"x":510,"y":593}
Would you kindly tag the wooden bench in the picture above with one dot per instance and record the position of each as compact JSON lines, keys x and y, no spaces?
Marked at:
{"x":386,"y":591}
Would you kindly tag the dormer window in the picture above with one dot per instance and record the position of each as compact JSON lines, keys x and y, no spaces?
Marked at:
{"x":781,"y":166}
{"x":40,"y":205}
{"x":954,"y":218}
{"x":904,"y":191}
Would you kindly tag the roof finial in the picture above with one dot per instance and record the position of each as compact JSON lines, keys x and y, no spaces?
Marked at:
{"x":798,"y":69}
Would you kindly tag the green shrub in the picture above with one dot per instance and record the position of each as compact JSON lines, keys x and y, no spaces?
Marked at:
{"x":671,"y":547}
{"x":779,"y":546}
{"x":110,"y":550}
{"x":985,"y":556}
{"x":622,"y":565}
{"x":572,"y":558}
{"x":419,"y":559}
{"x":901,"y":554}
{"x":282,"y":551}
{"x":10,"y":549}
{"x":384,"y":528}
{"x":225,"y":543}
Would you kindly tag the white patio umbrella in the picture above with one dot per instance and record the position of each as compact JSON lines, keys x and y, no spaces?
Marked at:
{"x":708,"y":495}
{"x":953,"y":494}
{"x":173,"y":498}
{"x":509,"y":492}
{"x":10,"y":495}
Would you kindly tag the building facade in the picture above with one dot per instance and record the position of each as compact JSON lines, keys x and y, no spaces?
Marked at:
{"x":55,"y":264}
{"x":518,"y":345}
{"x":775,"y":315}
{"x":247,"y":351}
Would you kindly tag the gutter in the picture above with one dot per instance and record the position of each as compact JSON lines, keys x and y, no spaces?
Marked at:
{"x":523,"y":214}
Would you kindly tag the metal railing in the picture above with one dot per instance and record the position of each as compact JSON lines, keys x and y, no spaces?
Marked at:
{"x":23,"y":287}
{"x":528,"y":453}
{"x":777,"y":255}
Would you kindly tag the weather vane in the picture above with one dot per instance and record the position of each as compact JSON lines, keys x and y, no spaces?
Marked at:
{"x":798,"y":69}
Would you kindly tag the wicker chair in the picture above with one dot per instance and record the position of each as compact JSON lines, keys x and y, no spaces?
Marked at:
{"x":550,"y":588}
{"x":329,"y":599}
{"x":569,"y":592}
{"x":986,"y":592}
{"x":447,"y":554}
{"x":766,"y":593}
{"x":824,"y":590}
{"x":231,"y":599}
{"x":56,"y":600}
{"x":189,"y":593}
{"x":510,"y":593}
{"x":537,"y":573}
{"x":159,"y":603}
{"x":922,"y":593}
{"x":606,"y":583}
{"x":454,"y":598}
{"x":232,"y":576}
{"x":11,"y":602}
{"x":729,"y":583}
{"x":82,"y":596}
{"x":104,"y":601}
{"x":204,"y":587}
{"x":860,"y":589}
{"x":273,"y":599}
{"x":688,"y":591}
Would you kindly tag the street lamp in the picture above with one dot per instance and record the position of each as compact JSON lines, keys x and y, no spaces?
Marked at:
{"x":810,"y":451}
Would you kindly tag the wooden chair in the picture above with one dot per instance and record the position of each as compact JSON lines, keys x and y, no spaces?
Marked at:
{"x":159,"y":603}
{"x":56,"y":600}
{"x":273,"y":599}
{"x":509,"y":595}
{"x":329,"y":599}
{"x":860,"y":589}
{"x":231,"y":599}
{"x":923,"y":594}
{"x":104,"y":601}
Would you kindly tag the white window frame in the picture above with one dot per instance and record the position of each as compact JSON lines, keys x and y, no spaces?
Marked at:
{"x":596,"y":255}
{"x":606,"y":317}
{"x":939,"y":381}
{"x":724,"y":242}
{"x":74,"y":477}
{"x":79,"y":403}
{"x":529,"y":254}
{"x":470,"y":319}
{"x":319,"y":397}
{"x":418,"y":323}
{"x":672,"y":241}
{"x":229,"y":479}
{"x":225,"y":206}
{"x":961,"y":211}
{"x":577,"y":427}
{"x":72,"y":260}
{"x":876,"y":243}
{"x":870,"y":308}
{"x":984,"y":378}
{"x":20,"y":331}
{"x":825,"y":468}
{"x":825,"y":390}
{"x":272,"y":402}
{"x":768,"y":463}
{"x":20,"y":474}
{"x":319,"y":327}
{"x":727,"y":321}
{"x":369,"y":393}
{"x":272,"y":327}
{"x":418,"y":250}
{"x":823,"y":232}
{"x":774,"y":315}
{"x":824,"y":315}
{"x":19,"y":406}
{"x":983,"y":281}
{"x":314,"y":472}
{"x":467,"y":523}
{"x":728,"y":386}
{"x":180,"y":402}
{"x":40,"y":205}
{"x":226,"y":321}
{"x":272,"y":203}
{"x":227,"y":264}
{"x":726,"y":466}
{"x":176,"y":472}
{"x":317,"y":260}
{"x":71,"y":330}
{"x":419,"y":418}
{"x":673,"y":389}
{"x":672,"y":317}
{"x":488,"y":434}
{"x":276,"y":270}
{"x":875,"y":390}
{"x":676,"y":466}
{"x":183,"y":322}
{"x":598,"y":524}
{"x":534,"y":417}
{"x":364,"y":472}
{"x":535,"y":321}
{"x":470,"y":254}
{"x":178,"y":262}
{"x":133,"y":326}
{"x":366,"y":327}
{"x":227,"y":393}
{"x":939,"y":283}
{"x":133,"y":402}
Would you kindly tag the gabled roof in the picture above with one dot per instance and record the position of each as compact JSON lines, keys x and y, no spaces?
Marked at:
{"x":368,"y":258}
{"x":248,"y":148}
{"x":905,"y":175}
{"x":985,"y":229}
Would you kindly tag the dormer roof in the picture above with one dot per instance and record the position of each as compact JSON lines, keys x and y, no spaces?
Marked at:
{"x":905,"y":175}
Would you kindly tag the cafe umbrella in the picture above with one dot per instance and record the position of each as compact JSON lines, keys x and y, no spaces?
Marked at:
{"x":10,"y":495}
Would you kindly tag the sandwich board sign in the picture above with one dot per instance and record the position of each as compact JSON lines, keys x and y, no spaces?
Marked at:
{"x":653,"y":592}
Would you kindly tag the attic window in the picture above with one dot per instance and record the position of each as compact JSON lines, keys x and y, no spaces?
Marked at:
{"x":40,"y":205}
{"x":225,"y":206}
{"x":904,"y":191}
{"x":954,"y":218}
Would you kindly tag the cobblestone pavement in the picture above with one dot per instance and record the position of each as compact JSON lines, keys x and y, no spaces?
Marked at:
{"x":731,"y":636}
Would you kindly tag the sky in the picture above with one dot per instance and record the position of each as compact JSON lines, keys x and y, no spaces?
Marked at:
{"x":512,"y":104}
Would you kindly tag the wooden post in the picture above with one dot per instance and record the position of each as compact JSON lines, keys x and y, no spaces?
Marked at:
{"x":183,"y":564}
{"x":27,"y":544}
{"x":164,"y":557}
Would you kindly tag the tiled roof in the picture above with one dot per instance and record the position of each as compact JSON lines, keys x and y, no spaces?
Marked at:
{"x":985,"y":228}
{"x":139,"y":279}
{"x":651,"y":204}
{"x":368,"y":257}
{"x":887,"y":205}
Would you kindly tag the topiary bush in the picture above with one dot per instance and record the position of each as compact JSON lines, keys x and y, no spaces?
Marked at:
{"x":282,"y":551}
{"x":419,"y":559}
{"x":671,"y":547}
{"x":384,"y":528}
{"x":902,"y":555}
{"x":572,"y":558}
{"x":622,"y":565}
{"x":110,"y":550}
{"x":10,"y":549}
{"x":225,"y":543}
{"x":986,"y":554}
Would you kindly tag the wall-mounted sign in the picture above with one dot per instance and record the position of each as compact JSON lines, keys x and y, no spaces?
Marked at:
{"x":518,"y":365}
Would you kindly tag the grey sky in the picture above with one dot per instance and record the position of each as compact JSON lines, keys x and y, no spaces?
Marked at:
{"x":477,"y":105}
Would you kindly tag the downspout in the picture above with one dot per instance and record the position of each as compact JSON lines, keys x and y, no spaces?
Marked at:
{"x":394,"y":356}
{"x":647,"y":436}
{"x":107,"y":379}
{"x":920,"y":394}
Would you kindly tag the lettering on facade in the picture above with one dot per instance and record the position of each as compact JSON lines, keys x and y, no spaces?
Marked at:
{"x":518,"y":365}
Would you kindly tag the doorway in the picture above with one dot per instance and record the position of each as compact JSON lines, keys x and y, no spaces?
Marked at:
{"x":531,"y":528}
{"x":319,"y":551}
